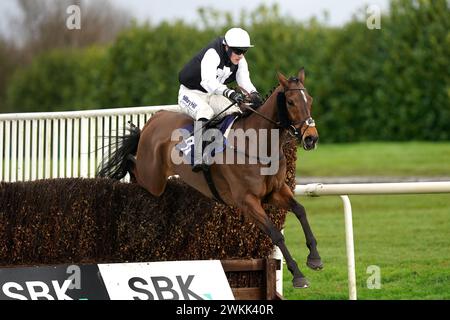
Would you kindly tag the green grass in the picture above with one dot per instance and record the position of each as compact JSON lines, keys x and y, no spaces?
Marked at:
{"x":407,"y":236}
{"x":376,"y":159}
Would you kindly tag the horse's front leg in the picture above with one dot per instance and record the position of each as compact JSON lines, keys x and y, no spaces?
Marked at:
{"x":285,"y":199}
{"x":252,"y":208}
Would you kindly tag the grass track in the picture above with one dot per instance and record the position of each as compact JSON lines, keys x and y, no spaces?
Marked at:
{"x":376,"y":159}
{"x":406,"y":236}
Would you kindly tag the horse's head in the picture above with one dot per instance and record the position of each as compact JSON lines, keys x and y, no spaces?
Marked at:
{"x":294,"y":110}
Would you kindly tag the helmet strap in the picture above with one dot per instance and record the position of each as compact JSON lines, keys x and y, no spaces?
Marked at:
{"x":228,"y":51}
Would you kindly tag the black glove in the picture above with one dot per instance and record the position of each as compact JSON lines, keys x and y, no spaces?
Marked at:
{"x":234,"y":96}
{"x":256,"y":99}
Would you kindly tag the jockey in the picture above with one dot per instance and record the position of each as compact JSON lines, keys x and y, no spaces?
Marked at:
{"x":203,"y":92}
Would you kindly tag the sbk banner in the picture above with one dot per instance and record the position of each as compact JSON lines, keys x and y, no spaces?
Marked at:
{"x":175,"y":280}
{"x":169,"y":280}
{"x":64,"y":282}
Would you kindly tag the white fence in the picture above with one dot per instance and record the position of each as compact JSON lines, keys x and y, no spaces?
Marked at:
{"x":62,"y":144}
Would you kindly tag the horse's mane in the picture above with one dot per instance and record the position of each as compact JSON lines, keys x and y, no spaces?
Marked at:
{"x":269,"y":94}
{"x":273,"y":89}
{"x":247,"y":113}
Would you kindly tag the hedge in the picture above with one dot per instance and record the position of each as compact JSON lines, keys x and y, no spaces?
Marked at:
{"x":387,"y":84}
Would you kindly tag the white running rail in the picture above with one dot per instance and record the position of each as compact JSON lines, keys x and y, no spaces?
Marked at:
{"x":49,"y":145}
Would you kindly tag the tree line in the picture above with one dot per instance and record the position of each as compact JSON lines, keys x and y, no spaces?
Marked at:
{"x":391,"y":83}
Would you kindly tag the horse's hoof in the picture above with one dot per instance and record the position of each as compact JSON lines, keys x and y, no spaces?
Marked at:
{"x":314,"y":263}
{"x":300,"y":283}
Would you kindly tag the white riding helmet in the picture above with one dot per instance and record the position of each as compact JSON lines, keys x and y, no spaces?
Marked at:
{"x":237,"y":38}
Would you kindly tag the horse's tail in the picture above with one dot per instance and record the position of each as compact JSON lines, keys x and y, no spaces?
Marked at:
{"x":120,"y":160}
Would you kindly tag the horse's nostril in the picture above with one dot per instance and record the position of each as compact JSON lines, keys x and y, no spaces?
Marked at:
{"x":309,"y":140}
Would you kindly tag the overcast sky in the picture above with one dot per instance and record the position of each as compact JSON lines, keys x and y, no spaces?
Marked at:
{"x":340,"y":11}
{"x":158,"y":10}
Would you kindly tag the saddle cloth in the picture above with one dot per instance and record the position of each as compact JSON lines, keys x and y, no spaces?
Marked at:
{"x":187,"y":146}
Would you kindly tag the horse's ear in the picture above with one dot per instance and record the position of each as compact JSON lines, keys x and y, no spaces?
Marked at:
{"x":301,"y":75}
{"x":282,"y":79}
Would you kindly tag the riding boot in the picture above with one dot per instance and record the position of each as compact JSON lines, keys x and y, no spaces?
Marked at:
{"x":203,"y":166}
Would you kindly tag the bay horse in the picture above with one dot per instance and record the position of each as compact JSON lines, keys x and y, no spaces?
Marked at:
{"x":287,"y":109}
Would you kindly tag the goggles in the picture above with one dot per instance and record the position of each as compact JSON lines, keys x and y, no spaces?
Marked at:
{"x":239,"y":51}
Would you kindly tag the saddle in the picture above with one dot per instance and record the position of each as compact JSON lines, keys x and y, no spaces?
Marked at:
{"x":188,"y":148}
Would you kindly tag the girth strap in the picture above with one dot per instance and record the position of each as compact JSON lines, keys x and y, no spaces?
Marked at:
{"x":211,"y":185}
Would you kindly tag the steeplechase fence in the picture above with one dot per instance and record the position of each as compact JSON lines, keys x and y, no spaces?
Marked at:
{"x":35,"y":146}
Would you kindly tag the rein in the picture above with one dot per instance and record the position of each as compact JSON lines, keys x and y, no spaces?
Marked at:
{"x":277,"y":124}
{"x":284,"y":123}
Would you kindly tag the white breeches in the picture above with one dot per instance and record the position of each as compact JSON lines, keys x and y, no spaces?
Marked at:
{"x":198,"y":104}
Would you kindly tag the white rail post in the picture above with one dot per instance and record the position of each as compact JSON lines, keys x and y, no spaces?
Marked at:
{"x":62,"y":167}
{"x":99,"y":142}
{"x":349,"y":243}
{"x":76,"y":148}
{"x":7,"y":147}
{"x":34,"y":148}
{"x":27,"y":161}
{"x":20,"y":149}
{"x":92,"y":155}
{"x":55,"y":144}
{"x":13,"y":146}
{"x":69,"y":154}
{"x":40,"y":150}
{"x":48,"y":148}
{"x":84,"y":147}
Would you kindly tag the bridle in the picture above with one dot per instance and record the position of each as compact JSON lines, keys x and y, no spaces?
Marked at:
{"x":292,"y":126}
{"x":284,"y":121}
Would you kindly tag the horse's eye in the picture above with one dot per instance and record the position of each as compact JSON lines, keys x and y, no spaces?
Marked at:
{"x":290,"y":102}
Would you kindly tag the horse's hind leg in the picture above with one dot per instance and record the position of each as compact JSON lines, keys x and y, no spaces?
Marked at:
{"x":285,"y":199}
{"x":151,"y":173}
{"x":256,"y":212}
